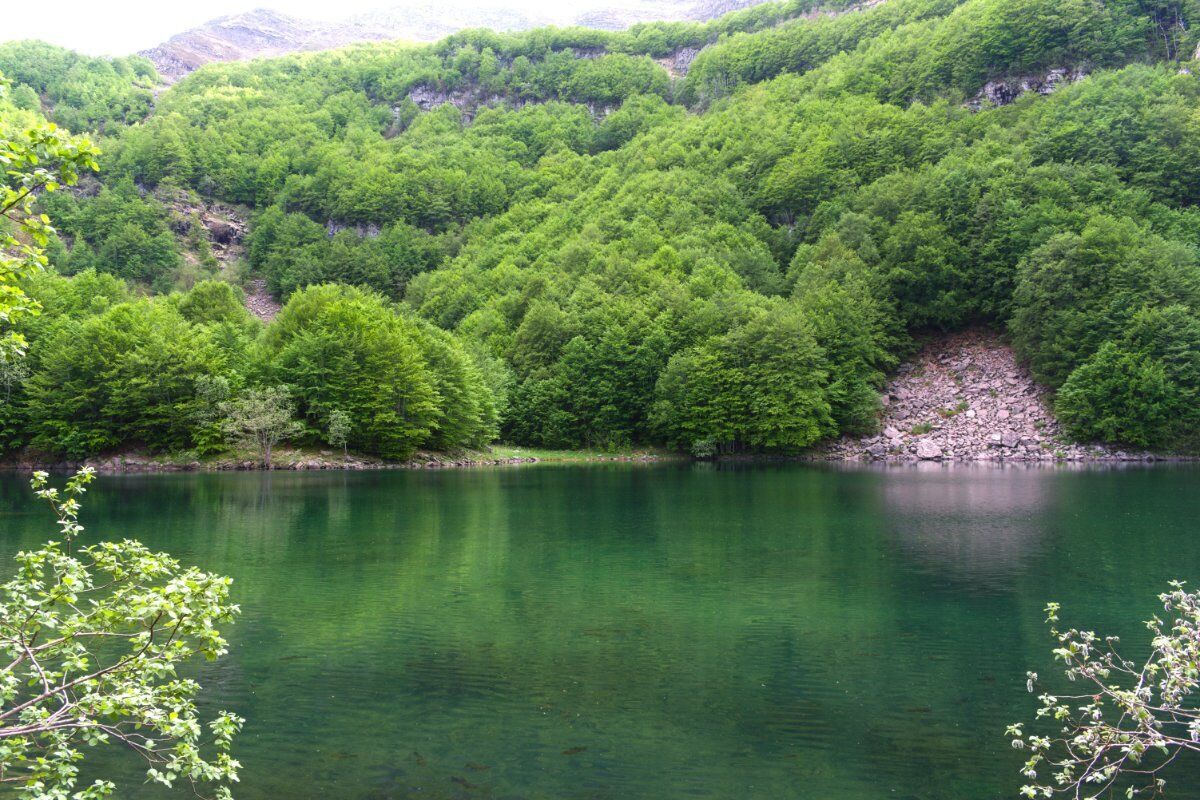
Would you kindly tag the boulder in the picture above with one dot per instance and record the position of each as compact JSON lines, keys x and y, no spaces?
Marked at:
{"x":928,"y":451}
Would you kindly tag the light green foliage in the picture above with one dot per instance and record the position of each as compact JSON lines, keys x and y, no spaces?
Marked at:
{"x":1127,"y":721}
{"x":261,"y":418}
{"x":78,"y":92}
{"x":214,"y":302}
{"x":93,"y":636}
{"x":340,"y":427}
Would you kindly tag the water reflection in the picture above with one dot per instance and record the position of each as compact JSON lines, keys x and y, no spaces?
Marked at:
{"x":978,"y":524}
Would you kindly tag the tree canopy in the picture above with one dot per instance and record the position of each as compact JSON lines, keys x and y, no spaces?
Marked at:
{"x":559,"y":237}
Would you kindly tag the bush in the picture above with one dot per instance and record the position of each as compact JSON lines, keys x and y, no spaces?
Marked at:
{"x":1141,"y":390}
{"x":345,"y":349}
{"x":1079,"y":290}
{"x":128,"y":375}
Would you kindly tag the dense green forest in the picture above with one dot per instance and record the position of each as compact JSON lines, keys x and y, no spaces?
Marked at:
{"x":558,"y":239}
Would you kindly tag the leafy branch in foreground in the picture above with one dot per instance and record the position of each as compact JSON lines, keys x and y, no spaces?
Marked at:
{"x":93,"y":637}
{"x":1132,"y":720}
{"x":40,"y":159}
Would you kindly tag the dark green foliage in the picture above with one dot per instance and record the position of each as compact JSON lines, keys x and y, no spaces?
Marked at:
{"x":466,"y":414}
{"x":402,"y":383}
{"x":292,"y":251}
{"x":759,"y":387}
{"x":1141,"y":389}
{"x":598,"y":389}
{"x":118,"y":231}
{"x":1079,"y":290}
{"x":853,"y":328}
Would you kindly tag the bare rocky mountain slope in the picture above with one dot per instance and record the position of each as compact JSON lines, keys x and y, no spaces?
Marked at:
{"x":965,"y":397}
{"x":257,"y":33}
{"x":264,"y":33}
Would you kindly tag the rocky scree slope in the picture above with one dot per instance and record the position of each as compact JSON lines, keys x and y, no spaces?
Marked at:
{"x":965,"y":397}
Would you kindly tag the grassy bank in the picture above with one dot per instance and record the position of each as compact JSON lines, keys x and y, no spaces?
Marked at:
{"x":313,"y":458}
{"x":542,"y":455}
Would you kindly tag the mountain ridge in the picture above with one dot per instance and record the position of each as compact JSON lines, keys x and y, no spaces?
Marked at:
{"x":264,"y":32}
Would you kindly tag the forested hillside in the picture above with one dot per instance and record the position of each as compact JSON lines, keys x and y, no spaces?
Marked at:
{"x":713,"y":236}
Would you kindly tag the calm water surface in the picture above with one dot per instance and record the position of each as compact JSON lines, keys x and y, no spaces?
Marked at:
{"x":647,"y":632}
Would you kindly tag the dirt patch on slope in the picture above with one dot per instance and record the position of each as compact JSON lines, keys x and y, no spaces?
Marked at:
{"x":259,"y":301}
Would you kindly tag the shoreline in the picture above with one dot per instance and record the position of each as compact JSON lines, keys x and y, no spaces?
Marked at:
{"x":291,"y":461}
{"x":309,"y":461}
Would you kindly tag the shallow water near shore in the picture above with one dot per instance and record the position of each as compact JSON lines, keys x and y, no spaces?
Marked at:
{"x":647,"y":631}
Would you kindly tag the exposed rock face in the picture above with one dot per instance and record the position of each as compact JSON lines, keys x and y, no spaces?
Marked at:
{"x":678,"y":63}
{"x":470,"y":101}
{"x":965,"y":398}
{"x":257,"y":33}
{"x":1004,"y":91}
{"x":225,"y":226}
{"x":367,"y":230}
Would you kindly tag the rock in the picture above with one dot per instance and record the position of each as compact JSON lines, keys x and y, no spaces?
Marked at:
{"x":1004,"y":91}
{"x":259,"y":301}
{"x":1004,"y":415}
{"x":928,"y":451}
{"x":223,"y":231}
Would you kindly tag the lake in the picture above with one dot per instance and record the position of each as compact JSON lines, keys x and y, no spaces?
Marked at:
{"x":656,"y":632}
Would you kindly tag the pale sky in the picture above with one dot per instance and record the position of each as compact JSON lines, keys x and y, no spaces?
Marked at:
{"x":120,"y":27}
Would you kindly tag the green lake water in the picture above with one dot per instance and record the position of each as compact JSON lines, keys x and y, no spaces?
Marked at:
{"x":647,"y":632}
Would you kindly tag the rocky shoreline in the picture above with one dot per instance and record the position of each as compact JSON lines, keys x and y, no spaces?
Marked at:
{"x":965,"y":397}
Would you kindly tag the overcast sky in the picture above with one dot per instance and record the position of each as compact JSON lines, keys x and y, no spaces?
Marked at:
{"x":120,"y":27}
